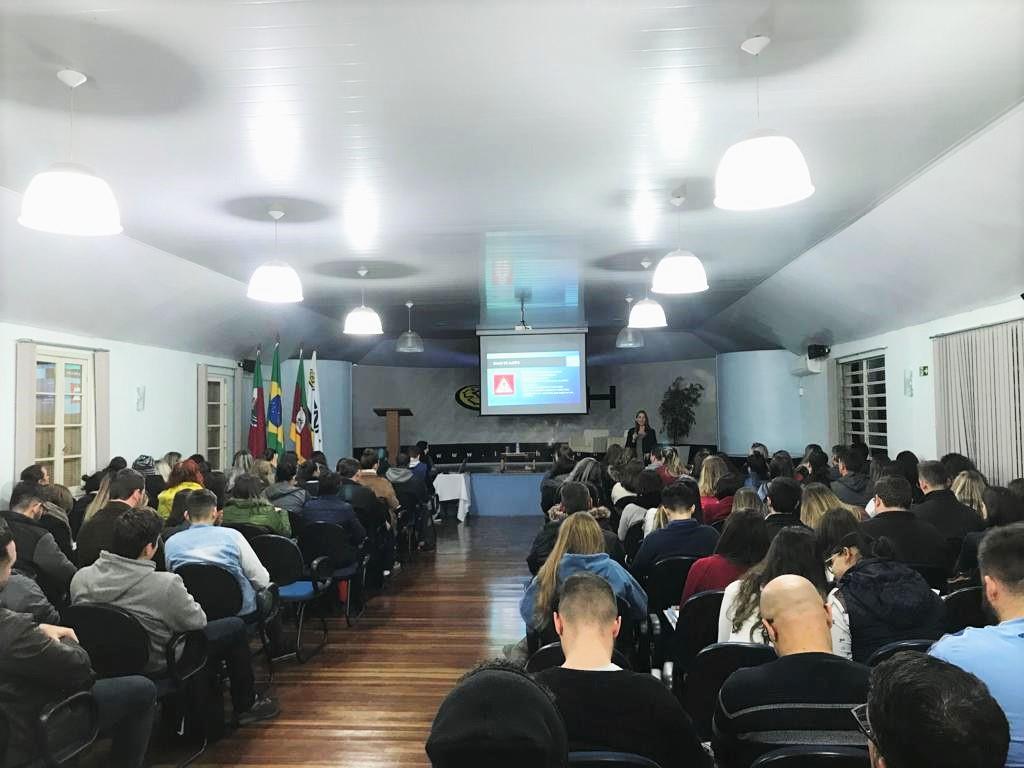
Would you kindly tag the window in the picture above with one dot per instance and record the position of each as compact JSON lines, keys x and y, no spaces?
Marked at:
{"x":64,"y":414}
{"x":862,"y":406}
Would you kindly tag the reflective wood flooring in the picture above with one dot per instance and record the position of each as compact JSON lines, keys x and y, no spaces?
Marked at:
{"x":369,"y":697}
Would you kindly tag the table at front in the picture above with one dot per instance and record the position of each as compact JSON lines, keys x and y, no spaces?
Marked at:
{"x":506,"y":494}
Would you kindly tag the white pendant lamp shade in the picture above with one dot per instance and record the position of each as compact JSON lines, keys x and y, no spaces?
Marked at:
{"x":679,"y":272}
{"x":647,"y":313}
{"x":275,"y":283}
{"x":70,"y":199}
{"x":410,"y":341}
{"x":629,"y":338}
{"x":766,"y":171}
{"x":363,"y":321}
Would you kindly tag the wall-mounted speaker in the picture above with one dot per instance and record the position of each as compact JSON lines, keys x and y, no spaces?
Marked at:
{"x":249,"y":366}
{"x":817,"y":351}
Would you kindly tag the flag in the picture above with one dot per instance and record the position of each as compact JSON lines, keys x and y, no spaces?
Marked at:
{"x":258,"y":416}
{"x":299,"y":432}
{"x":313,"y":403}
{"x":275,"y":425}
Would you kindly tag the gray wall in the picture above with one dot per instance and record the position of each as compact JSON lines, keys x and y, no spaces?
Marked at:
{"x":430,"y":393}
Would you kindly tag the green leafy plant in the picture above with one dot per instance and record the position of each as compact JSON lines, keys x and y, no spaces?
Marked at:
{"x":677,"y":408}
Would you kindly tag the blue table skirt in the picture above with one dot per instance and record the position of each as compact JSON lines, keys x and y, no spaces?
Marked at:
{"x":506,"y":495}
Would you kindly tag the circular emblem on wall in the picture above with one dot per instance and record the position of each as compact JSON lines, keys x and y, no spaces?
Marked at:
{"x":469,"y":397}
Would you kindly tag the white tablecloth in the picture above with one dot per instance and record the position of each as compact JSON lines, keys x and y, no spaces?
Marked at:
{"x":450,"y":487}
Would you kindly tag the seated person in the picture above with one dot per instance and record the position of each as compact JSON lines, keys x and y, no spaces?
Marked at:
{"x":41,"y":663}
{"x":126,"y":576}
{"x":996,"y":653}
{"x":329,"y":507}
{"x":206,"y":542}
{"x":307,"y":477}
{"x":578,"y":547}
{"x":248,"y":505}
{"x":406,"y":483}
{"x":21,"y":594}
{"x":878,"y":600}
{"x":604,"y":706}
{"x":1001,"y":506}
{"x":940,"y":506}
{"x":914,"y":540}
{"x":648,"y":496}
{"x":923,"y":712}
{"x":682,"y":536}
{"x":804,"y":697}
{"x":285,"y":493}
{"x":373,"y":514}
{"x":127,"y":490}
{"x":185,"y":476}
{"x":38,"y":553}
{"x":719,"y":505}
{"x":368,"y":476}
{"x":575,"y":498}
{"x":743,"y":543}
{"x":57,"y":502}
{"x":498,"y":715}
{"x":784,"y":495}
{"x":419,"y":463}
{"x":853,"y":486}
{"x":359,"y":496}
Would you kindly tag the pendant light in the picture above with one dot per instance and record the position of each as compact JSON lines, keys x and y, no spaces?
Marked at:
{"x":363,"y":321}
{"x":680,"y":271}
{"x":275,"y":281}
{"x":765,"y":171}
{"x":69,"y":199}
{"x":647,"y":313}
{"x":410,"y":341}
{"x":629,"y":338}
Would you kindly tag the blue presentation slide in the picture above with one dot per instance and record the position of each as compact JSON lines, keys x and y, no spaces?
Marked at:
{"x":533,"y":378}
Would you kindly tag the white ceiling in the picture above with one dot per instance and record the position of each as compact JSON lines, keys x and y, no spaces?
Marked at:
{"x":462,"y":150}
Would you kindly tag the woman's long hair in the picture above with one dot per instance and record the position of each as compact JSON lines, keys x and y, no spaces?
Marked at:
{"x":745,"y":536}
{"x":587,"y":470}
{"x":578,"y":535}
{"x":673,"y":463}
{"x":100,"y":500}
{"x":747,"y":500}
{"x":969,"y":488}
{"x":712,"y":470}
{"x":794,"y":551}
{"x":815,"y":501}
{"x":186,"y":471}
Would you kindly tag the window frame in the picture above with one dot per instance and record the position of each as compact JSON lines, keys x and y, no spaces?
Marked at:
{"x":60,"y":356}
{"x":849,"y":403}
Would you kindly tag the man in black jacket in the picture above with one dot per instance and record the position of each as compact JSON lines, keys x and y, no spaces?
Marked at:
{"x":575,"y":498}
{"x":915,"y":540}
{"x":853,"y":486}
{"x":38,"y":553}
{"x":941,"y":507}
{"x":127,"y":491}
{"x":373,"y":515}
{"x":41,"y":663}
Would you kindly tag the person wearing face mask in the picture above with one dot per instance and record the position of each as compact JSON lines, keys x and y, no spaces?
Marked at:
{"x":877,"y":600}
{"x":641,"y":439}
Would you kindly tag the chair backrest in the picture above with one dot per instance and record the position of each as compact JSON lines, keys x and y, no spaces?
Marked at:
{"x":814,"y":757}
{"x":213,"y":587}
{"x":5,"y":732}
{"x":666,"y":581}
{"x":281,"y":557}
{"x":965,"y":608}
{"x":634,"y":538}
{"x":116,"y":641}
{"x":696,"y":629}
{"x":892,"y":649}
{"x":249,"y":530}
{"x":709,"y":670}
{"x":327,"y":540}
{"x":935,"y":575}
{"x":610,"y":760}
{"x":626,"y":641}
{"x":719,"y":524}
{"x":67,"y":728}
{"x":551,"y":655}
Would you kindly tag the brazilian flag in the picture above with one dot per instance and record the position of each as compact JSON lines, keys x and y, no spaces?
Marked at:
{"x":275,"y":410}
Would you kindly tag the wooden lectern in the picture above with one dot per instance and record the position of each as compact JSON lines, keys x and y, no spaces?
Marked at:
{"x":394,"y":442}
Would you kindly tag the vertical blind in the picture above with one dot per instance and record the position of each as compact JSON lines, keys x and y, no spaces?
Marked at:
{"x":978,"y":411}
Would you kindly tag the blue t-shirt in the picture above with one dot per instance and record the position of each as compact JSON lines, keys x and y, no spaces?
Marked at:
{"x":996,"y":656}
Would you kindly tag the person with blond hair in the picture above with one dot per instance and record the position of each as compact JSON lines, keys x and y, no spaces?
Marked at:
{"x":748,"y":500}
{"x":712,"y":470}
{"x":969,"y":488}
{"x":816,"y":499}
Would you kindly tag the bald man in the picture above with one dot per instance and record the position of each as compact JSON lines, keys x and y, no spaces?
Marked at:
{"x":804,"y":697}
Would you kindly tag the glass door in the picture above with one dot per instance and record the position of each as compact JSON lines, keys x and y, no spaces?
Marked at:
{"x":218,"y":420}
{"x":63,"y":416}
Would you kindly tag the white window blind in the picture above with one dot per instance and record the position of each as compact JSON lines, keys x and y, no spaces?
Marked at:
{"x":862,"y":402}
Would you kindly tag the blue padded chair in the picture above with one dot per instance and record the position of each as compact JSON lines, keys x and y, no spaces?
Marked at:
{"x":347,"y":562}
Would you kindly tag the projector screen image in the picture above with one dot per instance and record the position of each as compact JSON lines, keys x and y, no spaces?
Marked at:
{"x":529,"y":374}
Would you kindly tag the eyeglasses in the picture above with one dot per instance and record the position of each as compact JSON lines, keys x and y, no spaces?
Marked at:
{"x":830,"y":559}
{"x":860,"y":714}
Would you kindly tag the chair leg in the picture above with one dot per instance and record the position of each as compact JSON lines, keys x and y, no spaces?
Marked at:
{"x":300,"y":615}
{"x":301,"y":618}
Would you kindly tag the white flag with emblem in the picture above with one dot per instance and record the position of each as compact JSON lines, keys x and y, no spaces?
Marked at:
{"x":313,"y":403}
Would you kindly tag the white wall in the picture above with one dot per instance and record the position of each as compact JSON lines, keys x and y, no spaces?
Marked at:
{"x":759,"y":400}
{"x":911,"y":418}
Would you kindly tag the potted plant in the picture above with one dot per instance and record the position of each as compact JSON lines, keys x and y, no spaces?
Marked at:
{"x":677,"y":408}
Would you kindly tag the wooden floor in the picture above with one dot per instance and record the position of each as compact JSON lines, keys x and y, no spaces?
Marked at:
{"x":368,"y":699}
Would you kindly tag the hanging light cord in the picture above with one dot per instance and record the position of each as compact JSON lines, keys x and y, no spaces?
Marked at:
{"x":410,"y":318}
{"x":71,"y":125}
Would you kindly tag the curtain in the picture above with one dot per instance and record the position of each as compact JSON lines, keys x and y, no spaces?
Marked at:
{"x":24,"y":405}
{"x":978,"y":409}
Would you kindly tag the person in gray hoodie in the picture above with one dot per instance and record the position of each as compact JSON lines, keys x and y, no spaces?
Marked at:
{"x":407,"y":483}
{"x":126,"y":576}
{"x":853,"y":486}
{"x":284,"y":494}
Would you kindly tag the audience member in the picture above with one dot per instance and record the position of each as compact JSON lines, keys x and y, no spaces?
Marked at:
{"x":185,"y":476}
{"x":40,"y":663}
{"x":996,"y":653}
{"x":969,"y":488}
{"x":409,"y":486}
{"x":723,"y":496}
{"x":877,"y":600}
{"x":923,"y":712}
{"x":498,"y":716}
{"x":834,"y":526}
{"x":781,"y":465}
{"x":914,"y":540}
{"x":671,"y":468}
{"x":578,"y":547}
{"x":329,"y":507}
{"x":784,"y":494}
{"x":127,"y":490}
{"x":155,"y":484}
{"x":307,"y":476}
{"x":373,"y":515}
{"x":792,"y":551}
{"x":907,"y":463}
{"x":359,"y":496}
{"x":54,"y":517}
{"x":248,"y":504}
{"x":853,"y":486}
{"x":604,"y":706}
{"x":38,"y":553}
{"x":418,"y":465}
{"x":206,"y":542}
{"x":955,"y":463}
{"x":940,"y":507}
{"x":241,"y":464}
{"x":1017,"y":487}
{"x":749,"y":500}
{"x":1000,"y":506}
{"x":97,"y":501}
{"x":266,"y":471}
{"x":624,"y":491}
{"x":712,"y":470}
{"x":760,"y":448}
{"x":19,"y":593}
{"x":816,"y":499}
{"x":563,"y":459}
{"x":804,"y":697}
{"x":744,"y":543}
{"x":36,"y":474}
{"x":575,"y":498}
{"x":681,"y":537}
{"x":647,"y":496}
{"x":166,"y":464}
{"x":367,"y":476}
{"x":285,"y":493}
{"x":818,"y":470}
